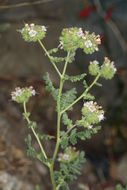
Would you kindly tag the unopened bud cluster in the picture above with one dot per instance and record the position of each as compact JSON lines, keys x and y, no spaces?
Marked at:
{"x":74,"y":38}
{"x":32,"y":32}
{"x":107,"y":70}
{"x":69,"y":155}
{"x":21,"y":95}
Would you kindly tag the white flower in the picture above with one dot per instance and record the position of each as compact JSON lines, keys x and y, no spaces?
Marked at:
{"x":33,"y":92}
{"x":96,"y":62}
{"x":88,"y":43}
{"x":44,"y":28}
{"x":90,"y":126}
{"x":18,"y":92}
{"x":80,"y":33}
{"x":32,"y":33}
{"x":90,"y":106}
{"x":65,"y":156}
{"x":101,"y":117}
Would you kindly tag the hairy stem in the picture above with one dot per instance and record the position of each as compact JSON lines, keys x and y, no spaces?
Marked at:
{"x":34,"y":132}
{"x":58,"y":123}
{"x":49,"y":58}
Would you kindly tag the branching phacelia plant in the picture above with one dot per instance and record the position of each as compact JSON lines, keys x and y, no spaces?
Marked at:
{"x":70,"y":160}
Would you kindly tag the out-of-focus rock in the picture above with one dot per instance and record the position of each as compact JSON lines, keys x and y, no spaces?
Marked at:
{"x":9,"y":182}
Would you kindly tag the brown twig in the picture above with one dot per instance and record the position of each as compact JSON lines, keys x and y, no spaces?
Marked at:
{"x":23,"y":4}
{"x":112,"y":25}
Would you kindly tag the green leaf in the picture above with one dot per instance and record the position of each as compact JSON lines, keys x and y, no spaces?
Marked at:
{"x":46,"y":137}
{"x":73,"y":136}
{"x":85,"y":84}
{"x":50,"y":87}
{"x":54,"y":50}
{"x":88,"y":96}
{"x":69,"y":171}
{"x":98,"y":84}
{"x":75,"y":78}
{"x":64,"y":141}
{"x":30,"y":150}
{"x":67,"y":121}
{"x":67,"y":98}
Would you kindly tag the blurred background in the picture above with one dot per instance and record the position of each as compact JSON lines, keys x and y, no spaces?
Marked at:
{"x":23,"y":64}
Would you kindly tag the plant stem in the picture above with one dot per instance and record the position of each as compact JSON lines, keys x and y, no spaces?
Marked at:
{"x":50,"y":58}
{"x":80,"y":97}
{"x":34,"y":132}
{"x":58,"y":123}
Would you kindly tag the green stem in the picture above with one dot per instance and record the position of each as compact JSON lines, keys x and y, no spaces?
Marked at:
{"x":50,"y":58}
{"x":80,"y":97}
{"x":58,"y":123}
{"x":35,"y":134}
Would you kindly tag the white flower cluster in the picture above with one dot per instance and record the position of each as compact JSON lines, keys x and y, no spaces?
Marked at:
{"x":88,"y":43}
{"x":80,"y":33}
{"x":19,"y":91}
{"x":93,"y":107}
{"x":32,"y":30}
{"x":63,"y":156}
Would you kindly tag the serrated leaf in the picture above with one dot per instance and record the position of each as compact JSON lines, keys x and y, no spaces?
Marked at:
{"x":67,"y":98}
{"x":46,"y":137}
{"x":54,"y":50}
{"x":50,"y":87}
{"x":75,"y":78}
{"x":64,"y":141}
{"x":67,"y":121}
{"x":85,"y":84}
{"x":73,"y":135}
{"x":88,"y":96}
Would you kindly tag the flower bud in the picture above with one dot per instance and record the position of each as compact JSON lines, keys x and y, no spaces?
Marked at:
{"x":108,"y":69}
{"x":94,"y":68}
{"x":21,"y":95}
{"x":32,"y":32}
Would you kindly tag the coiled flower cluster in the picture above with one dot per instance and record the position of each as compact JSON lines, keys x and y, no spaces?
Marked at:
{"x":107,"y":70}
{"x":92,"y":113}
{"x":74,"y":38}
{"x":21,"y":95}
{"x":32,"y":32}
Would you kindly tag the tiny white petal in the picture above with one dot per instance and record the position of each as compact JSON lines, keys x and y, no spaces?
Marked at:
{"x":88,"y":43}
{"x":65,"y":156}
{"x":44,"y":28}
{"x":96,"y":62}
{"x":33,"y":92}
{"x":101,"y":117}
{"x":32,"y":33}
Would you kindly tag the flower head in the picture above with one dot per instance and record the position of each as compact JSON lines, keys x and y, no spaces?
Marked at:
{"x":33,"y":32}
{"x":21,"y":95}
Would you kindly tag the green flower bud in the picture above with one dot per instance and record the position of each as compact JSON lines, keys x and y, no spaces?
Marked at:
{"x":108,"y":69}
{"x":21,"y":95}
{"x":94,"y":68}
{"x":32,"y":33}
